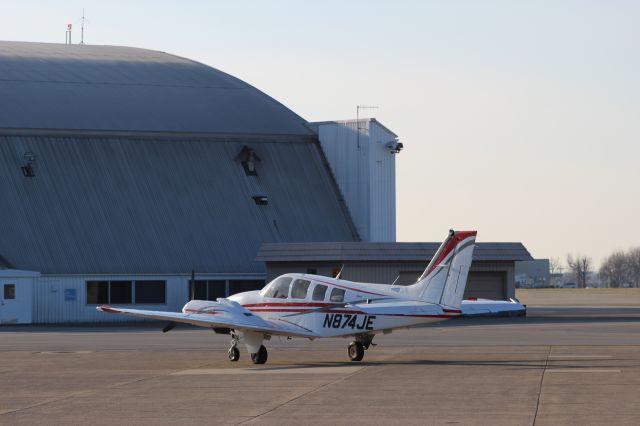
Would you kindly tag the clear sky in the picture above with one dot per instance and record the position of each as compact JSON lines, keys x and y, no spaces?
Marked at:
{"x":519,"y":118}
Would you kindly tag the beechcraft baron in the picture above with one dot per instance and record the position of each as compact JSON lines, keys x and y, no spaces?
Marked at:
{"x":312,"y":306}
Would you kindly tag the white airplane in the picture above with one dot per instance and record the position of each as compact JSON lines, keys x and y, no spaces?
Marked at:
{"x":313,"y":306}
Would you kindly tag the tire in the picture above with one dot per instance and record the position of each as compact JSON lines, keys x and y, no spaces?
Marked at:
{"x":356,"y":351}
{"x":234,"y":354}
{"x":261,"y":356}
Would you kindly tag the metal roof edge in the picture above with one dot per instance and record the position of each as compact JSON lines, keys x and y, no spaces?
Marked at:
{"x":141,"y":134}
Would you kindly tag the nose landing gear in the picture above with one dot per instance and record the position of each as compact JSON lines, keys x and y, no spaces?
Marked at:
{"x":357,"y":347}
{"x":234,"y":352}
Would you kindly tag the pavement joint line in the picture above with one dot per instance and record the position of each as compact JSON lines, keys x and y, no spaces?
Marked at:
{"x":584,"y":370}
{"x":83,"y":393}
{"x":580,"y":356}
{"x":318,"y":389}
{"x":546,"y":363}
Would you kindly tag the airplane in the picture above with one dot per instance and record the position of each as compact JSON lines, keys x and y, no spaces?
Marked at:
{"x":311,"y":306}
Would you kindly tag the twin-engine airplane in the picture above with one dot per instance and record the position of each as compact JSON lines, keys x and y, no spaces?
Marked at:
{"x":312,"y":306}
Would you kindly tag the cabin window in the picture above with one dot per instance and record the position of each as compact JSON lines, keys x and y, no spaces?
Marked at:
{"x":299,"y":289}
{"x":337,"y":295}
{"x":279,"y":288}
{"x":319,"y":292}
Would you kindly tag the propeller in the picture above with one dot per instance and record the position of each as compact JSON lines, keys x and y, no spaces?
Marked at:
{"x":170,"y":326}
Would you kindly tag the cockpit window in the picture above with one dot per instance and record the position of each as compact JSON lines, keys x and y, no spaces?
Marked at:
{"x":299,"y":289}
{"x":337,"y":295}
{"x":319,"y":292}
{"x":279,"y":288}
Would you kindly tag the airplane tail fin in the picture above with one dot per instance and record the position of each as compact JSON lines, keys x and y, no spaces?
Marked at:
{"x":444,"y":280}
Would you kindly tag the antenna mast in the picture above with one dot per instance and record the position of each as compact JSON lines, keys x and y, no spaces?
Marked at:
{"x":82,"y":28}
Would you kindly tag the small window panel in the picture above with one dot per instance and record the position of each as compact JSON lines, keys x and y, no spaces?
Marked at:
{"x":120,"y":292}
{"x":150,"y":292}
{"x":9,"y":291}
{"x":319,"y":292}
{"x":299,"y":289}
{"x":97,"y":292}
{"x":337,"y":295}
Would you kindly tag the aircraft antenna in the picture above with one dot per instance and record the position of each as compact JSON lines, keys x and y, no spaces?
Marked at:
{"x":339,"y":274}
{"x":193,"y":284}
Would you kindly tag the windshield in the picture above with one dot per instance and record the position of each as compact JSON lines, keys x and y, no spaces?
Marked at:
{"x":278,"y":288}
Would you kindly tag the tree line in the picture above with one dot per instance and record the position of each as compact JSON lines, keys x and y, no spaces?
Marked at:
{"x":621,"y":269}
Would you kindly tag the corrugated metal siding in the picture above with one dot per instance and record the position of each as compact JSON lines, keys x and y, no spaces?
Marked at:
{"x":369,"y":251}
{"x":382,"y":195}
{"x":365,"y":172}
{"x":123,"y":205}
{"x":87,"y":87}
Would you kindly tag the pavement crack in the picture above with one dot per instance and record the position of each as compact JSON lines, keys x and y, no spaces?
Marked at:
{"x":546,"y":363}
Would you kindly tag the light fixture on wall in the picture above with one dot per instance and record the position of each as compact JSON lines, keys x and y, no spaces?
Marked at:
{"x":27,"y":168}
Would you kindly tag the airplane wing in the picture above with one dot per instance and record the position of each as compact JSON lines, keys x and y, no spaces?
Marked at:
{"x":220,"y":315}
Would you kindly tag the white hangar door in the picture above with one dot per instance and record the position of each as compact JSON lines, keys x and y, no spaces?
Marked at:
{"x":16,"y":300}
{"x":486,"y":285}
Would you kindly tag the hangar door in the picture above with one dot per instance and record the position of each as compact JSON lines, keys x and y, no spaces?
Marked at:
{"x":486,"y":285}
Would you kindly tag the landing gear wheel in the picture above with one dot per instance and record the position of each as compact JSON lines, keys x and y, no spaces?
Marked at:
{"x":356,"y":351}
{"x":261,"y":356}
{"x":234,"y":354}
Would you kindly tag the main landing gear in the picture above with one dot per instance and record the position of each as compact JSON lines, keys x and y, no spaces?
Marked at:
{"x":259,"y":357}
{"x":357,"y":347}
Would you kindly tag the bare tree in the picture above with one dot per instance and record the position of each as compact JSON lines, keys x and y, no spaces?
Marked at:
{"x":580,"y":266}
{"x":555,"y":271}
{"x":555,"y":267}
{"x":615,"y":270}
{"x":633,"y":263}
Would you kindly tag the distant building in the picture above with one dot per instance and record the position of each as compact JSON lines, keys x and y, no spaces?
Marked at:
{"x":533,"y":273}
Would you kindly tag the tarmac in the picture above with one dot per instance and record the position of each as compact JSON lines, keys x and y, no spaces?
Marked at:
{"x":557,"y":366}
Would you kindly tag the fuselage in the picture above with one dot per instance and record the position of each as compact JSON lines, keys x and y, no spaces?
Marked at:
{"x":333,"y":307}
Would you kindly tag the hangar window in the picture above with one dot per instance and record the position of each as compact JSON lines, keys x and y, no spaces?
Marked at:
{"x":126,"y":292}
{"x":239,"y":286}
{"x":9,"y":291}
{"x":150,"y":292}
{"x":120,"y":292}
{"x":319,"y":292}
{"x":299,"y":289}
{"x":208,"y":289}
{"x":97,"y":292}
{"x":337,"y":295}
{"x":279,"y":288}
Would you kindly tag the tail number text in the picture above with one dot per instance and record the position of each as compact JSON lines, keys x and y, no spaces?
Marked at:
{"x":354,"y":322}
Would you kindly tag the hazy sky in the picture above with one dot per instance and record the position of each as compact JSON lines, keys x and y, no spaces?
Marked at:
{"x":519,"y":118}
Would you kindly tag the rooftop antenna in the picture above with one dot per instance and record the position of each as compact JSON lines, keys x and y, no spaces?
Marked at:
{"x":82,"y":28}
{"x":358,"y":128}
{"x":67,"y":38}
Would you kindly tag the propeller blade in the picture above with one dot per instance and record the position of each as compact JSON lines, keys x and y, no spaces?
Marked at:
{"x":169,"y":326}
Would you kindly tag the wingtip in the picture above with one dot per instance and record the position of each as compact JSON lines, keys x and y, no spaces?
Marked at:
{"x":106,"y":308}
